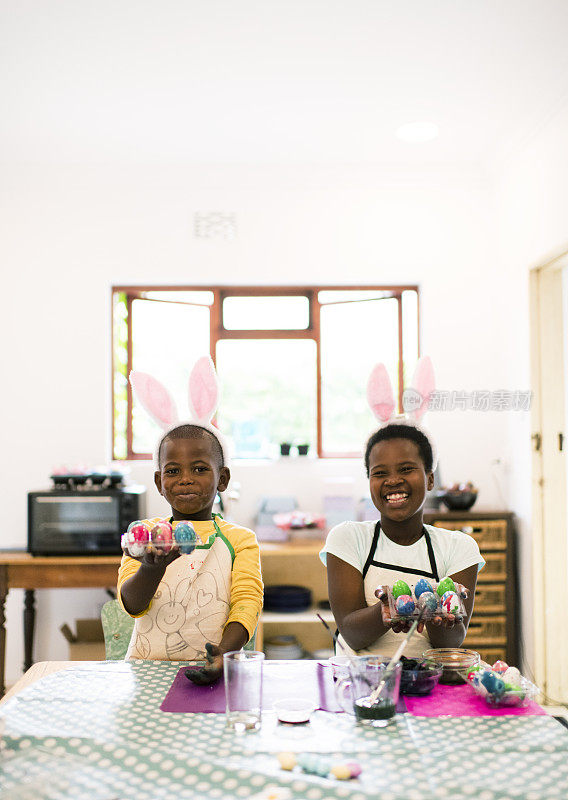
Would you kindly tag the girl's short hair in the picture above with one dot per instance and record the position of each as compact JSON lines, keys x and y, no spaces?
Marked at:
{"x":398,"y":431}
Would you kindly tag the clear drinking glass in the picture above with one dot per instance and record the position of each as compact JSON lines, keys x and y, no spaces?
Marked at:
{"x":243,"y":689}
{"x":366,"y":673}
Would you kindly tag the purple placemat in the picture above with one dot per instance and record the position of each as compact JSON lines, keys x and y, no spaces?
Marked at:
{"x":308,"y":680}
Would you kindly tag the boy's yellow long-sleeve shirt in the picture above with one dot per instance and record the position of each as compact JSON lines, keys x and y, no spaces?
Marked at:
{"x":199,"y":594}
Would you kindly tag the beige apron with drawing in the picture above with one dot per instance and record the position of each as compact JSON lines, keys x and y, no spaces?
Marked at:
{"x":190,"y":606}
{"x":377,"y":573}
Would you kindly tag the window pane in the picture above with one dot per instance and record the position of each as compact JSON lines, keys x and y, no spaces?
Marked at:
{"x":201,"y":298}
{"x":409,"y":333}
{"x":266,"y":313}
{"x":348,"y":295}
{"x":167,"y":339}
{"x":120,"y":378}
{"x":354,"y":337}
{"x":268,"y":394}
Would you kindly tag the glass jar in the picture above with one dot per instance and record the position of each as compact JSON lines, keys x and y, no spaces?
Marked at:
{"x":456,"y":662}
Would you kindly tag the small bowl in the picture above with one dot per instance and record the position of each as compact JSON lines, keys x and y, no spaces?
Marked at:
{"x":294,"y":710}
{"x":422,"y":680}
{"x":456,"y":663}
{"x":458,"y":500}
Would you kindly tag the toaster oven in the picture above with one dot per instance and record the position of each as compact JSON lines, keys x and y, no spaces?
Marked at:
{"x":82,"y":521}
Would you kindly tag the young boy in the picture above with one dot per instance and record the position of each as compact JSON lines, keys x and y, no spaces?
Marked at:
{"x":191,"y":607}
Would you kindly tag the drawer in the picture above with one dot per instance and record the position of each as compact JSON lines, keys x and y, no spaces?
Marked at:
{"x":490,"y":534}
{"x":490,"y":598}
{"x":490,"y":630}
{"x":491,"y":654}
{"x":495,"y":568}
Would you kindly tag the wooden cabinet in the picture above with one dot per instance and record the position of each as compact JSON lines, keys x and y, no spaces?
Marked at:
{"x":296,"y":563}
{"x":493,"y":629}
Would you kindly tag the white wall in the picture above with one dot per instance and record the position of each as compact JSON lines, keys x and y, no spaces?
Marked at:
{"x":69,"y":232}
{"x":531,"y":222}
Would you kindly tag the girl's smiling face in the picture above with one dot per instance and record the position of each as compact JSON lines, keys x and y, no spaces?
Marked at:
{"x":398,"y":480}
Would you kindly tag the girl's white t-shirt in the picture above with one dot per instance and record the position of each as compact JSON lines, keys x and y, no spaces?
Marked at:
{"x":351,"y":542}
{"x":454,"y":550}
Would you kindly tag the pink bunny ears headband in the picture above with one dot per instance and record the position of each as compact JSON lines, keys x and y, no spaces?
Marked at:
{"x":203,"y":397}
{"x":415,"y":398}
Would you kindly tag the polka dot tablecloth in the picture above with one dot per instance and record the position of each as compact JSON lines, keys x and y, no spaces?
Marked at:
{"x":96,"y":731}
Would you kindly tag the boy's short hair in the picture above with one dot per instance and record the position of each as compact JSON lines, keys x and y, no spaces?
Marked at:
{"x":190,"y":431}
{"x":398,"y":431}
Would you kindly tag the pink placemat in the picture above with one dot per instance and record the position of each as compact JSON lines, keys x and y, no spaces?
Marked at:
{"x":308,"y":680}
{"x":463,"y":701}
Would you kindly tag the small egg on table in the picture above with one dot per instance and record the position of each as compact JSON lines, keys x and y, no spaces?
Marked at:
{"x":341,"y":771}
{"x":287,"y":761}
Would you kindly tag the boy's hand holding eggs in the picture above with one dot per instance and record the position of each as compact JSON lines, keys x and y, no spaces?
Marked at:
{"x":158,"y":543}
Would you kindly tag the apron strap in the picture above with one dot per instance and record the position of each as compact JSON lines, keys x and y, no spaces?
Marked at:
{"x":431,"y":556}
{"x":372,"y":549}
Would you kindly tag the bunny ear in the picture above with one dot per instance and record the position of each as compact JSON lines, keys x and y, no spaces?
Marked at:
{"x":424,"y":383}
{"x":154,"y":398}
{"x":203,"y":390}
{"x":379,"y":393}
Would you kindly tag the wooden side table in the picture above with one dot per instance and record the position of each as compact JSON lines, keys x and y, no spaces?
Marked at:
{"x":21,"y":570}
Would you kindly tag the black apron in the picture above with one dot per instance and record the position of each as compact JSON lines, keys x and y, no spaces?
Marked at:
{"x":378,"y":573}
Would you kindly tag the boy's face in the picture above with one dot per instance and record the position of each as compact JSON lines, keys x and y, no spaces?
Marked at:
{"x":397,"y":478}
{"x":189,"y":477}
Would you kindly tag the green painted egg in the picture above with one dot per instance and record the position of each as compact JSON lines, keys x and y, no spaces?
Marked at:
{"x":399,"y":588}
{"x":445,"y":585}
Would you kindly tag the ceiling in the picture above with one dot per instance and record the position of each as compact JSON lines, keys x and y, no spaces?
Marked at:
{"x":285,"y":82}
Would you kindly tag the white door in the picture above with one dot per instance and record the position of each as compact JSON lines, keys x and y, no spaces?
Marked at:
{"x":550,"y":530}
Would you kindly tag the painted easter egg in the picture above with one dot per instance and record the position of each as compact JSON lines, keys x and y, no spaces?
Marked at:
{"x":161,"y":536}
{"x":314,"y":764}
{"x":450,"y":603}
{"x":512,"y":675}
{"x":500,"y":666}
{"x":287,"y":761}
{"x":355,"y":768}
{"x":492,"y":682}
{"x":185,"y":536}
{"x":427,"y":600}
{"x":341,"y":772}
{"x":400,"y":587}
{"x":446,"y":585}
{"x":137,"y":537}
{"x":405,"y":605}
{"x":421,"y":587}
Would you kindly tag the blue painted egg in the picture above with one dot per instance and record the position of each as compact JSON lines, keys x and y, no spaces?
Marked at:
{"x":185,"y":536}
{"x":404,"y":605}
{"x":421,"y":587}
{"x":492,"y":682}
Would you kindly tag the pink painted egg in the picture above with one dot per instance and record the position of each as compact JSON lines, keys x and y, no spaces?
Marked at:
{"x":161,"y":536}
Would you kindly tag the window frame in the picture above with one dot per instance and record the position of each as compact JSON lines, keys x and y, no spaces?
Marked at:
{"x":218,"y":333}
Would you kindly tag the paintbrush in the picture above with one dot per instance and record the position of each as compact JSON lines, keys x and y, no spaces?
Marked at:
{"x":373,"y":697}
{"x":333,"y":635}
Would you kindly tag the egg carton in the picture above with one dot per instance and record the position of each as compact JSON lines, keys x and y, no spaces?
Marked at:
{"x":143,"y":536}
{"x":501,"y":688}
{"x":408,"y":605}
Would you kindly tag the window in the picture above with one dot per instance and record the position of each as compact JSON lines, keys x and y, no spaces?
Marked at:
{"x":293,"y":362}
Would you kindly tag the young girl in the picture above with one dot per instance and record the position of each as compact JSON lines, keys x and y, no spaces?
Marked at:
{"x":202,"y":605}
{"x":363,"y":557}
